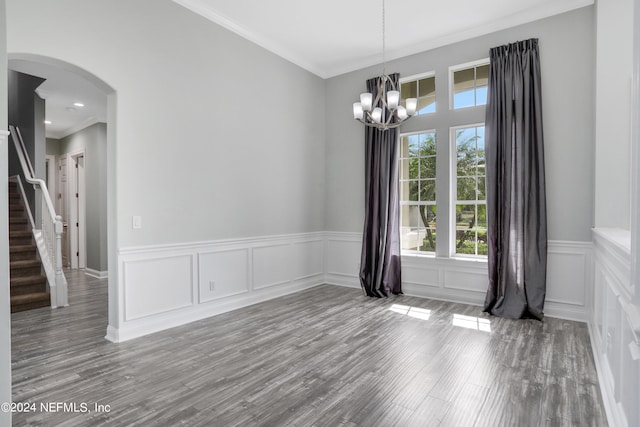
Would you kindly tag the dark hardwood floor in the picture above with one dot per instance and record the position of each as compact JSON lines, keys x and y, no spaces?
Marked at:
{"x":324,"y":357}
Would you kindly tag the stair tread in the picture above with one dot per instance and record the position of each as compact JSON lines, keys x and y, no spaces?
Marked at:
{"x":27,"y":280}
{"x":20,"y":241}
{"x":24,"y":239}
{"x":32,"y":297}
{"x":22,"y":248}
{"x":24,"y":263}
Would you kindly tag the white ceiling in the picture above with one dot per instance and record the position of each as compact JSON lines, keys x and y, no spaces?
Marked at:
{"x":61,"y":90}
{"x":332,"y":37}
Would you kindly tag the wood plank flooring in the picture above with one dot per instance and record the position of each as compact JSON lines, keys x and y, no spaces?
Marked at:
{"x":324,"y":357}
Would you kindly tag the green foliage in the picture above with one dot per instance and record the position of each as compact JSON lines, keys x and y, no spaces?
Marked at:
{"x":419,"y":166}
{"x":471,"y":219}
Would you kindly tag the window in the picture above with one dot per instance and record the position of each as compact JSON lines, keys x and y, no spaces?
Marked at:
{"x":470,"y":190}
{"x":469,"y":84}
{"x":422,"y":87}
{"x":418,"y":191}
{"x":458,"y":193}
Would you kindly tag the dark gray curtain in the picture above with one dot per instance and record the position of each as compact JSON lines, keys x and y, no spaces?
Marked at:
{"x":380,"y":260}
{"x":516,"y":201}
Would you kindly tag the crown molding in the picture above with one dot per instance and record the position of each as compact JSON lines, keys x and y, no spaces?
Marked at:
{"x":524,"y":17}
{"x":548,"y":9}
{"x":90,"y":121}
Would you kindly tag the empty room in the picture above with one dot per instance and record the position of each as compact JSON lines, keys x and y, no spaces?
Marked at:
{"x":281,"y":213}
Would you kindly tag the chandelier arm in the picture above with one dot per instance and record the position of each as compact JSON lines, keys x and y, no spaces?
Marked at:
{"x":381,"y":126}
{"x":379,"y":98}
{"x":390,"y":118}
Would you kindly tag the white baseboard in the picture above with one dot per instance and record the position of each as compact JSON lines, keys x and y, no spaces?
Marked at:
{"x":112,"y":334}
{"x":97,"y":274}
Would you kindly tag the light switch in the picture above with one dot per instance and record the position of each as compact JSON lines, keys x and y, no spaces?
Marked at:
{"x":137,"y":222}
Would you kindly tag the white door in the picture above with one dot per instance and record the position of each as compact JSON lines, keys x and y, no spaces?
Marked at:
{"x":79,"y":213}
{"x":62,"y":207}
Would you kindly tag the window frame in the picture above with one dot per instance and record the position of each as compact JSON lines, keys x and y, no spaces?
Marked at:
{"x":459,"y":67}
{"x":401,"y":203}
{"x":453,"y":191}
{"x":416,"y":77}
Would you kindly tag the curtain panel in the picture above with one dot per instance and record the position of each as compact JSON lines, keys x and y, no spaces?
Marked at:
{"x":515,"y":178}
{"x":380,"y":260}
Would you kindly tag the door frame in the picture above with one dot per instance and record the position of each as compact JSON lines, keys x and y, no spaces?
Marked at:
{"x":52,"y":184}
{"x":62,"y":208}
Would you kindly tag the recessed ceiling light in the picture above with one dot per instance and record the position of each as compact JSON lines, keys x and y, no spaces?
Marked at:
{"x":47,"y":122}
{"x":71,"y":109}
{"x":78,"y":104}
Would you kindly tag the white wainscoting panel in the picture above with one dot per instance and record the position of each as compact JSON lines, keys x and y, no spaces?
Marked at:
{"x":170,"y":285}
{"x":163,"y":286}
{"x":343,"y":259}
{"x":569,"y":277}
{"x":308,"y":259}
{"x":223,"y":273}
{"x":420,"y":276}
{"x":465,"y":280}
{"x":157,"y":285}
{"x":474,"y":281}
{"x":446,"y":279}
{"x":614,"y":327}
{"x":272,"y":265}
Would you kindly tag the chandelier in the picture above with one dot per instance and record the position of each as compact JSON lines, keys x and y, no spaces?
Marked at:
{"x":384,"y":110}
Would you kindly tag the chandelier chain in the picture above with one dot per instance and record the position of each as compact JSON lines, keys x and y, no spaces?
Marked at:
{"x":382,"y":108}
{"x":384,"y":40}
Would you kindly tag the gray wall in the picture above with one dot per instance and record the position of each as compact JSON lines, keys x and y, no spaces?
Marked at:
{"x":27,"y":112}
{"x":215,"y":137}
{"x":567,"y":61}
{"x":93,"y":141}
{"x":53,"y":147}
{"x":5,"y":317}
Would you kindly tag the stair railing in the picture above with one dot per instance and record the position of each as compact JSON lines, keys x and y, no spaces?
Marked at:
{"x":49,"y":237}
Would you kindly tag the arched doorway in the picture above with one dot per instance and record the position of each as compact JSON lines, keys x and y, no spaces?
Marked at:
{"x":111,"y":233}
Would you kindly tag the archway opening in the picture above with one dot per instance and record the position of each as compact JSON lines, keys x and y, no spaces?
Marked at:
{"x":105,"y":214}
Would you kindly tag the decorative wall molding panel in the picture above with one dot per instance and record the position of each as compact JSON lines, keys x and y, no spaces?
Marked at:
{"x":166,"y":286}
{"x":614,"y":327}
{"x":465,"y":281}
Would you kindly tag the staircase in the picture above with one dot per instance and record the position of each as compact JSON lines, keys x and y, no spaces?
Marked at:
{"x":28,"y":284}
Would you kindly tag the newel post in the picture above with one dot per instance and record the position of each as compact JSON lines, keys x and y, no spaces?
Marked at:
{"x":61,"y":283}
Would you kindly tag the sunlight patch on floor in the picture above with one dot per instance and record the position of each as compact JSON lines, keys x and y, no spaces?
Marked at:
{"x":416,"y":312}
{"x":471,"y":322}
